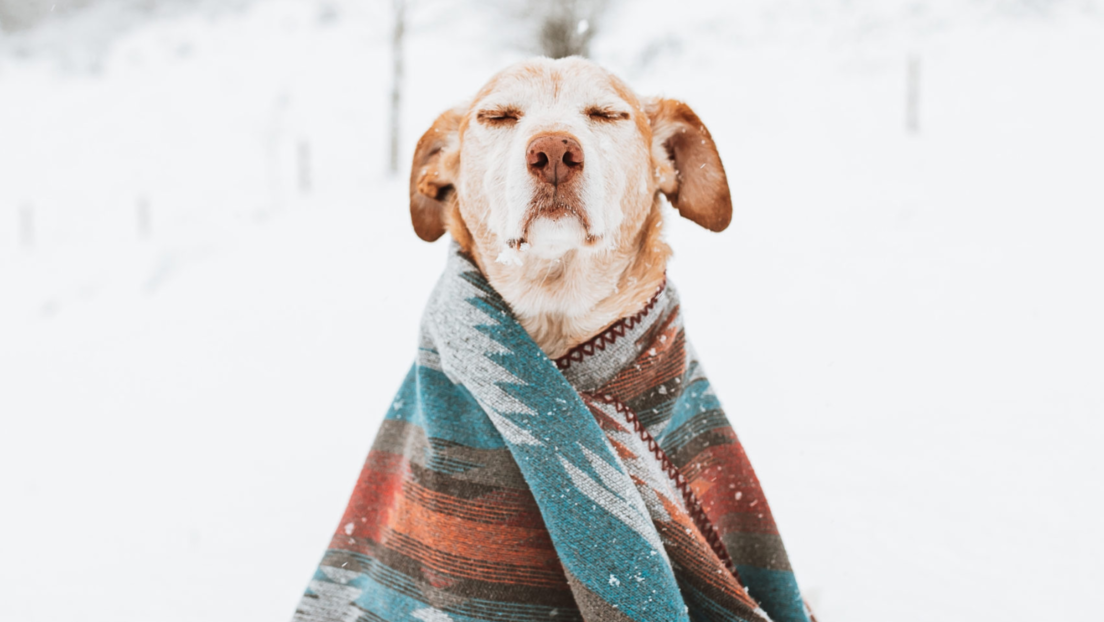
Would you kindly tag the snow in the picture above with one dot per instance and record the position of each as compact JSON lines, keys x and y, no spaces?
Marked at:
{"x":512,"y":256}
{"x":904,"y":327}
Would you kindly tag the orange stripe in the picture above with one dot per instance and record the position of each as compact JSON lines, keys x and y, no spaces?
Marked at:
{"x":488,"y":541}
{"x":438,"y":564}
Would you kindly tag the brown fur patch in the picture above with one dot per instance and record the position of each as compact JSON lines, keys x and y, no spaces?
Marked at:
{"x":643,"y":123}
{"x":701,"y":193}
{"x":459,"y":229}
{"x":432,"y":176}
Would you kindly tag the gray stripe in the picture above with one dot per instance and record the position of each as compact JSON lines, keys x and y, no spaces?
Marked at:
{"x":592,"y":606}
{"x":762,"y":550}
{"x":492,"y":467}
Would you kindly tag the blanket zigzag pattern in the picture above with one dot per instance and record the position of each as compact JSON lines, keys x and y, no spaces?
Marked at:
{"x":599,"y":342}
{"x":504,"y":486}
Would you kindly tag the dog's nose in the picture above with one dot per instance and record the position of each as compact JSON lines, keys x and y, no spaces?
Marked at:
{"x":554,"y":158}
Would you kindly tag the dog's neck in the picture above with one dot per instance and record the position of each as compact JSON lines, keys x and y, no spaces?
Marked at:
{"x":565,"y":301}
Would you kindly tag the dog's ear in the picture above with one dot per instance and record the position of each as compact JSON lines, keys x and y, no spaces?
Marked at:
{"x":688,"y":166}
{"x":432,"y":175}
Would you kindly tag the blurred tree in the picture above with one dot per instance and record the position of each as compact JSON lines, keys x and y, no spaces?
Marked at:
{"x":20,"y":15}
{"x":16,"y":15}
{"x":565,"y":28}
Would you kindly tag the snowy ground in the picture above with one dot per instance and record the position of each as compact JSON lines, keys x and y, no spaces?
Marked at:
{"x":905,"y":328}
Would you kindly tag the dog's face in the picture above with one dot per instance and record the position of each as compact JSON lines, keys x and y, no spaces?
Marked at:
{"x":553,"y":157}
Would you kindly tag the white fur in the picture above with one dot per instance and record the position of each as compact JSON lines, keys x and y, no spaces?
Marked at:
{"x":505,"y":181}
{"x":570,"y":282}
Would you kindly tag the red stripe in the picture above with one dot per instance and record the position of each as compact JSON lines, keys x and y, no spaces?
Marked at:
{"x":373,"y":499}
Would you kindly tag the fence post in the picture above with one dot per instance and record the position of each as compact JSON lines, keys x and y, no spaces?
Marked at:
{"x":399,"y":29}
{"x":26,"y":226}
{"x":144,"y":218}
{"x":912,"y":95}
{"x":304,"y":166}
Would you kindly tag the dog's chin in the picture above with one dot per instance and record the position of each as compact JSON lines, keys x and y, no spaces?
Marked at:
{"x":551,"y":238}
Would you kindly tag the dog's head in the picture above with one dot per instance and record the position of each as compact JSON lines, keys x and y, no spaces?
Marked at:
{"x":559,"y":156}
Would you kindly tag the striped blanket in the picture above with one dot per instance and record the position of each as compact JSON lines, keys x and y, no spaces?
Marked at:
{"x":503,"y":486}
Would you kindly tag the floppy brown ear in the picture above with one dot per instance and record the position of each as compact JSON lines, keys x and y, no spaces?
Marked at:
{"x":690,"y":170}
{"x":432,"y":176}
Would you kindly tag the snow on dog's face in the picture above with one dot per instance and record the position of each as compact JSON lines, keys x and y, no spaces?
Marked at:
{"x":558,"y":156}
{"x":552,"y":157}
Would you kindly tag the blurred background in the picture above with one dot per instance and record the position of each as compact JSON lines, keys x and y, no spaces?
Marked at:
{"x":210,"y":289}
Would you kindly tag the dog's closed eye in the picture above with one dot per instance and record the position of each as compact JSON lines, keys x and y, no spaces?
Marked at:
{"x":507,"y":115}
{"x":599,"y":113}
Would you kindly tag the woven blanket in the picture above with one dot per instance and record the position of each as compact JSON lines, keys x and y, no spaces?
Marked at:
{"x":605,"y":486}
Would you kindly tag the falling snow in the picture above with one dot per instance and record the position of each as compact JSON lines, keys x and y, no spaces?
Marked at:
{"x":876,"y":290}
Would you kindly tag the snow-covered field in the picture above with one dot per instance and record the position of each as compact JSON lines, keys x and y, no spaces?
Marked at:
{"x":209,"y":291}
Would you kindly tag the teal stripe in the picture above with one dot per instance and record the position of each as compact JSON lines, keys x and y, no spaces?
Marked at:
{"x":776,"y":592}
{"x":427,"y":393}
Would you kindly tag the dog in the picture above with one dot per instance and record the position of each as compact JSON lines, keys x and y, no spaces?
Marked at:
{"x":556,"y":451}
{"x":553,"y":180}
